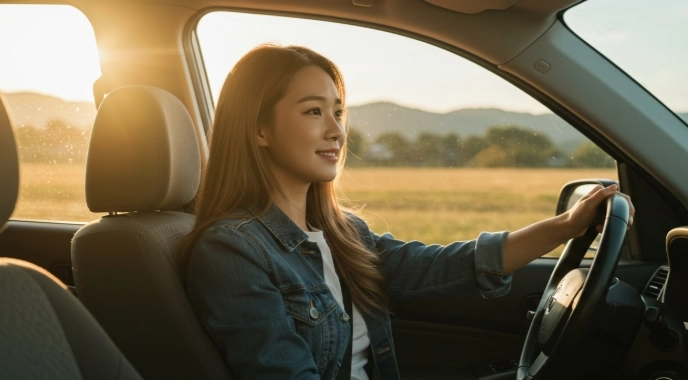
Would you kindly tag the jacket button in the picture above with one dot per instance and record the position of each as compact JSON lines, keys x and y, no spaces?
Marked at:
{"x":314,"y":313}
{"x":344,"y":317}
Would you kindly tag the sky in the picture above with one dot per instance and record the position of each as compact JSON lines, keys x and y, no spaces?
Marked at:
{"x":376,"y":65}
{"x":60,"y":57}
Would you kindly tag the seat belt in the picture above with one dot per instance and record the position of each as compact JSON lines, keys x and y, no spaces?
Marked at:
{"x":344,"y":371}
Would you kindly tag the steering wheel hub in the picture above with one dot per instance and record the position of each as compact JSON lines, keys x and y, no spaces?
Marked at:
{"x":558,"y":307}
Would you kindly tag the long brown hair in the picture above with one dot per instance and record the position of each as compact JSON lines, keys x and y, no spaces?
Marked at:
{"x":237,"y":179}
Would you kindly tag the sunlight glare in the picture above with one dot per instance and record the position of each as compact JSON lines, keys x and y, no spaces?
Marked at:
{"x":53,"y":48}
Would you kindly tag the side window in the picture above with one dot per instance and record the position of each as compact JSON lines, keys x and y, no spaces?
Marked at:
{"x":46,"y":79}
{"x":441,"y":149}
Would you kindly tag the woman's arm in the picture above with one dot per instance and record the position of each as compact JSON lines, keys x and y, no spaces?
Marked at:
{"x":413,"y":269}
{"x":529,"y":243}
{"x":243,"y":312}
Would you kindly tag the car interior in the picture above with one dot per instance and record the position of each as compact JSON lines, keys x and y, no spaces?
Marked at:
{"x":104,"y":297}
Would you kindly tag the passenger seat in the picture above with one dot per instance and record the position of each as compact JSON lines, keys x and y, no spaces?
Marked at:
{"x":143,"y":165}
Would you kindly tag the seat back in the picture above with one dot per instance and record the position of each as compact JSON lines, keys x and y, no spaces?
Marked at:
{"x":9,"y":166}
{"x":45,"y":333}
{"x":143,"y":160}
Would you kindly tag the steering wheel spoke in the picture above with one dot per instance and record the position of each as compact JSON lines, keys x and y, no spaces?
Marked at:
{"x":538,"y":365}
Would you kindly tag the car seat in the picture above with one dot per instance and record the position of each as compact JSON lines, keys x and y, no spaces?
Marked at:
{"x":143,"y":164}
{"x":45,"y":333}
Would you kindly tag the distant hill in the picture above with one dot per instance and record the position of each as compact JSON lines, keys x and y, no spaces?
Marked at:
{"x":375,"y":118}
{"x":372,"y":119}
{"x":29,"y":108}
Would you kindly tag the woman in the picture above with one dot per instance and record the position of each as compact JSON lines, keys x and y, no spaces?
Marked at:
{"x":274,"y":261}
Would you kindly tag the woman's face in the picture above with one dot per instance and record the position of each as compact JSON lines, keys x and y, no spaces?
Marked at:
{"x":306,"y":136}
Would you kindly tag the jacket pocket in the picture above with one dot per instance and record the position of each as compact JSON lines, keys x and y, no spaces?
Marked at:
{"x":311,"y":307}
{"x":313,"y":314}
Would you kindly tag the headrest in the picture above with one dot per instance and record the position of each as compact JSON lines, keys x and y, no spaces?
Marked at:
{"x":9,"y":166}
{"x":144,"y":153}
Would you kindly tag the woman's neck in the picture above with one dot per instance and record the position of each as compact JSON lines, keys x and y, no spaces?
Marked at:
{"x":293,"y":204}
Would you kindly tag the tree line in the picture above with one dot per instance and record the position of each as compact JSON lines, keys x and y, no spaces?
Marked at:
{"x":500,"y":146}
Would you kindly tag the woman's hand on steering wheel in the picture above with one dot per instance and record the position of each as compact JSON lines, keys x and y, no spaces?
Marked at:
{"x":584,"y":212}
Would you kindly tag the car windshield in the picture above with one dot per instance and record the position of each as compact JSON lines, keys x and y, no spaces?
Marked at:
{"x":645,"y":39}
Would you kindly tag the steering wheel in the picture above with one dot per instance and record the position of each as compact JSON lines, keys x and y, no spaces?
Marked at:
{"x":572,"y":296}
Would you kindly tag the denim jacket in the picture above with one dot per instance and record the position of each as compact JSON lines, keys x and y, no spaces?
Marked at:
{"x":258,"y":287}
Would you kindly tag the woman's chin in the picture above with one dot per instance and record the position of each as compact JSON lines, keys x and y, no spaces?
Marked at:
{"x":326,"y":177}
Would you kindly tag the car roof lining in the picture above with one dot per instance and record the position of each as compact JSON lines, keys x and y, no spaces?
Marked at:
{"x":495,"y":35}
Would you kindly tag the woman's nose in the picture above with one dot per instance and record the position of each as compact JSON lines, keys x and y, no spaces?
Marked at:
{"x":335,"y":131}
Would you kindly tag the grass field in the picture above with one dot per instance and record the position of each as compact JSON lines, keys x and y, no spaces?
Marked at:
{"x":426,"y":204}
{"x":445,"y":205}
{"x":52,"y":192}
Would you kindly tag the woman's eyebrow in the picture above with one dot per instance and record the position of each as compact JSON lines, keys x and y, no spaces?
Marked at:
{"x":317,"y":97}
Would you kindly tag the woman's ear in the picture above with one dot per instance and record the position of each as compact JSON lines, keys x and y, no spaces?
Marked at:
{"x":263,"y":136}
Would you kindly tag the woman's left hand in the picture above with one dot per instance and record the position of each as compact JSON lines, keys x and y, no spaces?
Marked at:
{"x":582,"y":214}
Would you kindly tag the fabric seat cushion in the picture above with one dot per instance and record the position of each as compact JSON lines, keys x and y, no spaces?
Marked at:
{"x":47,"y":333}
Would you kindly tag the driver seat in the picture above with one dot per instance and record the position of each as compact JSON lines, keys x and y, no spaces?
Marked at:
{"x":143,"y":165}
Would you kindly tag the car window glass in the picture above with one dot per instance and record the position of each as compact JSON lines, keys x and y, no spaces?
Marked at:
{"x":49,"y":64}
{"x":646,"y":39}
{"x":440,"y":148}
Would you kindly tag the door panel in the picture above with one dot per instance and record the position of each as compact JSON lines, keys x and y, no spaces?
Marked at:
{"x":47,"y":245}
{"x":447,"y":351}
{"x":455,"y":338}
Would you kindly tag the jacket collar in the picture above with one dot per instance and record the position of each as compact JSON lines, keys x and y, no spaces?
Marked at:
{"x":283,"y":228}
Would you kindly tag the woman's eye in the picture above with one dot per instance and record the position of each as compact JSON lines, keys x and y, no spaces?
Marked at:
{"x":338,"y":114}
{"x":314,"y":111}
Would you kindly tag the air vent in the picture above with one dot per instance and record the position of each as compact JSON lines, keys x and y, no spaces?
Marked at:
{"x":656,"y":285}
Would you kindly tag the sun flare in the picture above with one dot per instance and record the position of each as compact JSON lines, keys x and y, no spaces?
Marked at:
{"x":53,"y":51}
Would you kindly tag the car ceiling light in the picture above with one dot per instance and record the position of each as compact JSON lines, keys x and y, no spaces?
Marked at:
{"x":363,"y":3}
{"x":471,"y":6}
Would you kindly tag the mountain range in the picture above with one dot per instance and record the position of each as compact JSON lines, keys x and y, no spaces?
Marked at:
{"x":375,"y":118}
{"x":372,"y":119}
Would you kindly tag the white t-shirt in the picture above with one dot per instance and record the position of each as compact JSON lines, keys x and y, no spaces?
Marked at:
{"x":359,"y":346}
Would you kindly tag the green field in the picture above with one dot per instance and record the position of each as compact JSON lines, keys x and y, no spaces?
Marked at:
{"x":426,"y":204}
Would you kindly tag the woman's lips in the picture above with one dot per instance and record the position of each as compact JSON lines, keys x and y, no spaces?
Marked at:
{"x":329,"y":155}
